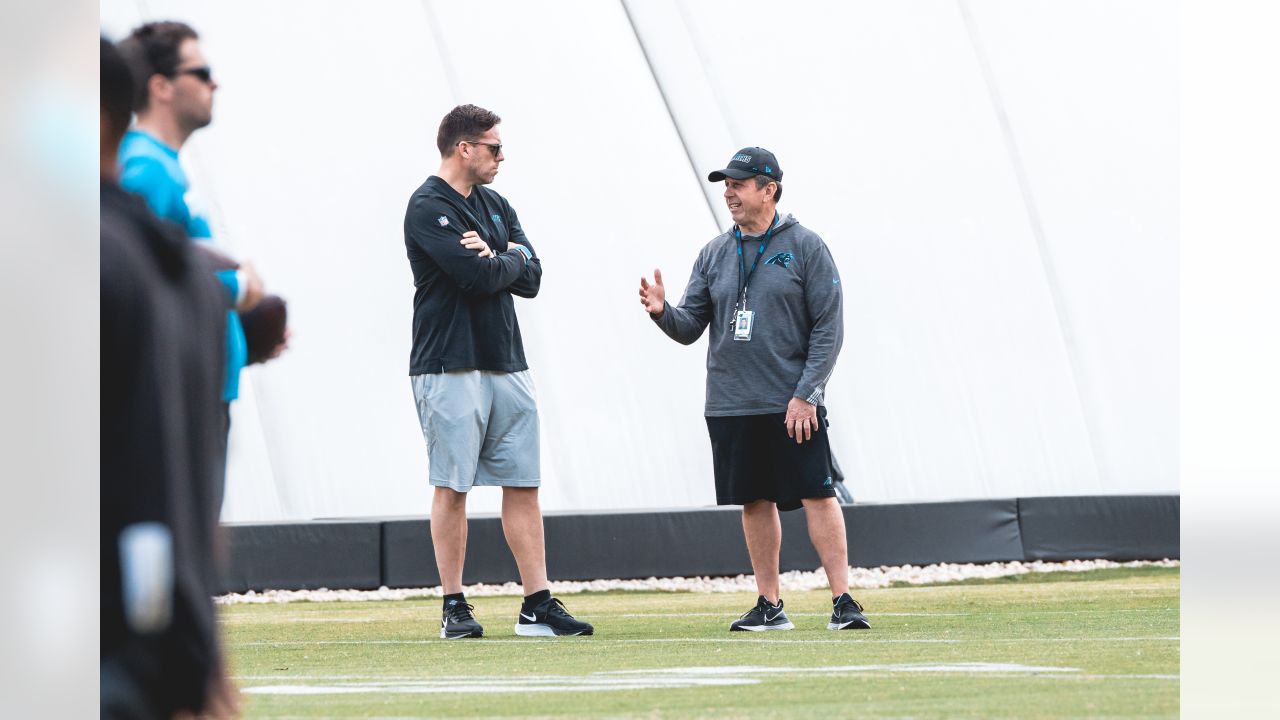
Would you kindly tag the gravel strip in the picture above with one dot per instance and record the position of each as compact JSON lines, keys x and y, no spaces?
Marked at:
{"x":791,"y":581}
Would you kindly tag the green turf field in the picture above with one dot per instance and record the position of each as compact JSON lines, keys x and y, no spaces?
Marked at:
{"x":1097,"y":644}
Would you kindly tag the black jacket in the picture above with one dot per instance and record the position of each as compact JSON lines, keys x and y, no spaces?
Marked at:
{"x":463,"y":313}
{"x":163,"y":329}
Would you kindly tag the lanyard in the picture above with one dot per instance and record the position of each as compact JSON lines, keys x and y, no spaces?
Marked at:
{"x":742,"y":264}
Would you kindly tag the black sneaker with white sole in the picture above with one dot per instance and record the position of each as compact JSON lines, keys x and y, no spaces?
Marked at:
{"x":551,"y":619}
{"x":458,"y":622}
{"x":763,"y":617}
{"x":847,"y":615}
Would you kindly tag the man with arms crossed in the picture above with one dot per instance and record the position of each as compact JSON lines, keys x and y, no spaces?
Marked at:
{"x":470,"y":380}
{"x":770,"y":292}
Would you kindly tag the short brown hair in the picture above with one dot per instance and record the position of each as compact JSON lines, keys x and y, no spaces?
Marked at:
{"x":762,"y":180}
{"x":115,"y":90}
{"x":152,"y":49}
{"x":463,"y":123}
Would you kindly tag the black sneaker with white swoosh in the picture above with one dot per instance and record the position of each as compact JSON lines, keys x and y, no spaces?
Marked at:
{"x":763,"y":617}
{"x":458,"y":622}
{"x":846,"y":614}
{"x":551,"y":619}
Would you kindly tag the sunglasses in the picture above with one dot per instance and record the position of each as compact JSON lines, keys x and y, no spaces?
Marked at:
{"x":495,"y":148}
{"x":204,"y":73}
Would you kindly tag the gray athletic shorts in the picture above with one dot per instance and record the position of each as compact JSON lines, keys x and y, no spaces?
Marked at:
{"x":481,"y":428}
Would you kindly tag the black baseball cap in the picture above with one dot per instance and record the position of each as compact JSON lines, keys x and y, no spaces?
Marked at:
{"x":748,"y":162}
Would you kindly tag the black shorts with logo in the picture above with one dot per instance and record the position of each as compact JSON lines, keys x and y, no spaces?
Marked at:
{"x":755,"y":460}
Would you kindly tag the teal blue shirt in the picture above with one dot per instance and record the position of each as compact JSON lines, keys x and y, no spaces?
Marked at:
{"x":151,"y":169}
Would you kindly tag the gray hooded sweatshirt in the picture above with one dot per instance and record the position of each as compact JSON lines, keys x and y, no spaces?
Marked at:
{"x":798,"y":327}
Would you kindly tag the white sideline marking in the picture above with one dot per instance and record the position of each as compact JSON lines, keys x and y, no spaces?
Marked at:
{"x":963,"y":667}
{"x":525,"y":685}
{"x":1074,"y":674}
{"x":1125,"y":677}
{"x":661,"y":678}
{"x":850,"y":640}
{"x":953,"y":587}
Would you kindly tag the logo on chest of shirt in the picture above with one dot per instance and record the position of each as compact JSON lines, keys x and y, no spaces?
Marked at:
{"x":496,"y":218}
{"x":783,"y":258}
{"x":444,"y":221}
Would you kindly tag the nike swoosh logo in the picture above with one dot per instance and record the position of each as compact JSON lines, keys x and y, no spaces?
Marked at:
{"x":530,"y":618}
{"x":771,"y":619}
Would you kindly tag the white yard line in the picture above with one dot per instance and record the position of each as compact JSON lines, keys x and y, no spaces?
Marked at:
{"x":849,"y":638}
{"x":656,"y":678}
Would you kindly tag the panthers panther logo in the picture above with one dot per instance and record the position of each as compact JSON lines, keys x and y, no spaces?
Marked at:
{"x":783,"y":258}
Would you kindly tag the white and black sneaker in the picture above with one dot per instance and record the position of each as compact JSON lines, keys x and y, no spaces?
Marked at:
{"x":763,"y":617}
{"x":847,"y":614}
{"x":550,"y":619}
{"x":458,"y":622}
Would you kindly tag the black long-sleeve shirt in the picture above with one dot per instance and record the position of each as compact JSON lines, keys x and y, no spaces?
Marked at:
{"x":463,"y":313}
{"x":163,"y":330}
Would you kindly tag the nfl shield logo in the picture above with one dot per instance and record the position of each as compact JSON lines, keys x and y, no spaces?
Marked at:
{"x":442,"y":220}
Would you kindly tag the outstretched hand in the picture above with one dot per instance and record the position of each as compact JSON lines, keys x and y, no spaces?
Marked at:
{"x":653,"y":297}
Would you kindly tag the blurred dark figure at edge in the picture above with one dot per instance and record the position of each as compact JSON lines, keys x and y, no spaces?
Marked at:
{"x":162,"y":373}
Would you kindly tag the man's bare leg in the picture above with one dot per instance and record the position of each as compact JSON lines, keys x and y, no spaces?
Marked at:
{"x":826,"y":531}
{"x":449,"y":536}
{"x":522,"y":525}
{"x":763,"y":531}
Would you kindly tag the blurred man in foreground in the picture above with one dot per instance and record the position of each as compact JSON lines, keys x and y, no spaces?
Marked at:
{"x":163,"y":323}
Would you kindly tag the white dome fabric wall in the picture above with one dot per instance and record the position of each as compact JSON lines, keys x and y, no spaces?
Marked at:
{"x":996,"y":180}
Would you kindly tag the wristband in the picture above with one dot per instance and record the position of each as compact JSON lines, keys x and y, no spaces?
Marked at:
{"x":242,"y":287}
